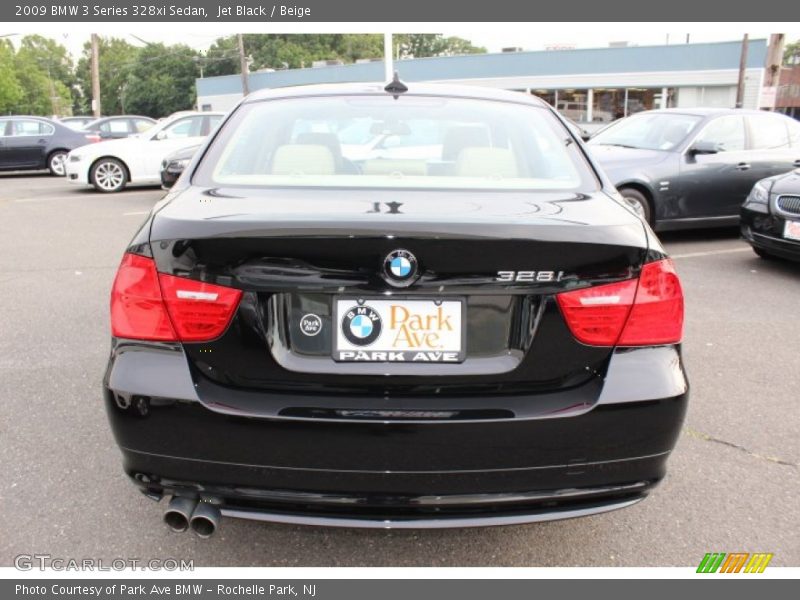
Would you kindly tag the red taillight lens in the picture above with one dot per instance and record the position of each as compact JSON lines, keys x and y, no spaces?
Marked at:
{"x":596,"y":315}
{"x":199,"y":311}
{"x":92,"y":138}
{"x":146,"y":305}
{"x":137,"y":309}
{"x":657,"y":314}
{"x":643,"y":312}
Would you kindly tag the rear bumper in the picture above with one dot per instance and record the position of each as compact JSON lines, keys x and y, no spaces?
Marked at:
{"x":592,"y":457}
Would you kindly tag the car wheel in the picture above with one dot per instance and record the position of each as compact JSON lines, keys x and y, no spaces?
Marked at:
{"x":638,"y":203}
{"x":109,"y":175}
{"x":762,"y":253}
{"x":56,"y":163}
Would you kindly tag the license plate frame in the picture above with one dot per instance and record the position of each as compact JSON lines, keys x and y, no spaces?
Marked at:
{"x":382,"y":349}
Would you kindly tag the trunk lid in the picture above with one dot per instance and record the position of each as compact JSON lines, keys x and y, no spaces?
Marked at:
{"x":502,"y":255}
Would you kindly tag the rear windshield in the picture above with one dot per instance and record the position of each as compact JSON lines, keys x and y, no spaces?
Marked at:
{"x":379,"y":141}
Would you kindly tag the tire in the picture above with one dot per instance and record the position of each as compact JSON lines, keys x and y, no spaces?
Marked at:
{"x":56,"y":163}
{"x":763,"y":253}
{"x":109,"y":175}
{"x":638,"y":203}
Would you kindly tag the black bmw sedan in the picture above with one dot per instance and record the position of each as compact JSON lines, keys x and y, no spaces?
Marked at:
{"x":33,"y":143}
{"x":770,"y":219}
{"x":684,"y":168}
{"x":457,"y":325}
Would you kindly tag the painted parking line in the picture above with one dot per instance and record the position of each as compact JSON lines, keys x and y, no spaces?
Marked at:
{"x":711,"y":252}
{"x":136,"y":212}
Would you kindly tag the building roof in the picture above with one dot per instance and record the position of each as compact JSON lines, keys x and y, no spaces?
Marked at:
{"x":628,"y":59}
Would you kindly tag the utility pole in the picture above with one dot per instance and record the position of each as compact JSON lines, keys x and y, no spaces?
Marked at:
{"x":388,"y":66}
{"x":772,"y":73}
{"x":96,"y":108}
{"x":742,"y":69}
{"x":243,"y":64}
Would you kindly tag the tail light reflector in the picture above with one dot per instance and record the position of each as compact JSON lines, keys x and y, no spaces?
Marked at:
{"x":147,"y":305}
{"x":646,"y":311}
{"x":92,"y":137}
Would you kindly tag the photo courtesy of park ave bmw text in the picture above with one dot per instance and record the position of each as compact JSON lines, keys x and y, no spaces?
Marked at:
{"x":474,"y":287}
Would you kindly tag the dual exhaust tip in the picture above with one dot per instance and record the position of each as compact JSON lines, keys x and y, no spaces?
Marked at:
{"x":184,"y":513}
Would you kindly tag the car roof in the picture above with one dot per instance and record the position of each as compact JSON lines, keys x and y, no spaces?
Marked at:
{"x":414,"y":89}
{"x":706,"y":111}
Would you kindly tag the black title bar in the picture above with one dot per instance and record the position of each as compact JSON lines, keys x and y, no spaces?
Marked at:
{"x":444,"y":11}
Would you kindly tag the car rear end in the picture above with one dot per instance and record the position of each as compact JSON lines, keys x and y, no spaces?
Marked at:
{"x":393,"y":355}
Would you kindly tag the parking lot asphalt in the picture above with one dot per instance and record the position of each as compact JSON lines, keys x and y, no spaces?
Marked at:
{"x":733,"y":483}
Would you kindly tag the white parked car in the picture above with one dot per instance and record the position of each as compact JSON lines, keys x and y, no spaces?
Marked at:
{"x":111,"y":166}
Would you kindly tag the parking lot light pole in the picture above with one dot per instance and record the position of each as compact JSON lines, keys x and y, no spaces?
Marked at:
{"x":388,"y":66}
{"x":96,"y":108}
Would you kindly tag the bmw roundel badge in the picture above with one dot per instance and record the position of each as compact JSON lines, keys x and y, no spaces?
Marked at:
{"x":361,"y":325}
{"x":400,"y":268}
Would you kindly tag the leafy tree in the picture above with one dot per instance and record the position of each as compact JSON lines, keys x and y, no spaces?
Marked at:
{"x":10,"y":88}
{"x":423,"y":45}
{"x":222,"y":57}
{"x":162,"y":80}
{"x":117,"y":61}
{"x":791,"y":53}
{"x":44,"y":71}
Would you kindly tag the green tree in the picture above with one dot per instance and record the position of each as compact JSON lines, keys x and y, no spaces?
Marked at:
{"x":10,"y":88}
{"x":162,"y":80}
{"x":117,"y":60}
{"x":424,"y":45}
{"x":43,"y":69}
{"x":791,"y":53}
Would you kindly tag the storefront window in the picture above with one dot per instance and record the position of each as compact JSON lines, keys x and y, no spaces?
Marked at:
{"x":572,"y":104}
{"x":608,"y":105}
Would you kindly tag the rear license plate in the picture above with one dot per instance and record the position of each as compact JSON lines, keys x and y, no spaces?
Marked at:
{"x":403,"y":330}
{"x":791,"y":230}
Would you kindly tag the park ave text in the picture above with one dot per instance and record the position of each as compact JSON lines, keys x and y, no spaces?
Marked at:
{"x":220,"y":12}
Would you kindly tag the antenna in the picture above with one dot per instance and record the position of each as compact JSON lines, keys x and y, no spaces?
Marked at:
{"x":396,"y":87}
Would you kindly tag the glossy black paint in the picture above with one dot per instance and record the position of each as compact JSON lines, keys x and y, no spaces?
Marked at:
{"x":32,"y":152}
{"x":688,"y":189}
{"x":531,"y":426}
{"x":763,"y":226}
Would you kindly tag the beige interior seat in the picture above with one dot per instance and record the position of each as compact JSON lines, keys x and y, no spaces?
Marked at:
{"x":303,"y":159}
{"x":486,"y":162}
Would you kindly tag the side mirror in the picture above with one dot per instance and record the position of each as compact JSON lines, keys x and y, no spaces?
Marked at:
{"x":704,"y":147}
{"x":161,"y":135}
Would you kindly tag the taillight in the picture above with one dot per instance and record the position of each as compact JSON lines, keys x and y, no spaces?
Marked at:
{"x":638,"y":312}
{"x":92,"y":137}
{"x":147,"y":305}
{"x":199,"y":311}
{"x":137,"y":309}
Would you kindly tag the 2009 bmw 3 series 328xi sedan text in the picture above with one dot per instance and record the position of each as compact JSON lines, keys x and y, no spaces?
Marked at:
{"x":390,"y":307}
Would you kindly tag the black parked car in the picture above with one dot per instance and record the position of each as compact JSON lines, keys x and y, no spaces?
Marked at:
{"x":681,"y":168}
{"x":771,"y":217}
{"x":32,"y":143}
{"x":476,"y":333}
{"x":122,"y":126}
{"x":174,"y":164}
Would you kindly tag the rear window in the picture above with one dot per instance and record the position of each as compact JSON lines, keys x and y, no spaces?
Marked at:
{"x":379,"y":141}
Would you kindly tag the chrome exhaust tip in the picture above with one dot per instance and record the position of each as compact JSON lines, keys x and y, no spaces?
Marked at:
{"x":205,"y":519}
{"x":179,"y":512}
